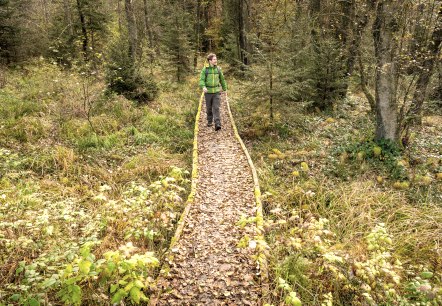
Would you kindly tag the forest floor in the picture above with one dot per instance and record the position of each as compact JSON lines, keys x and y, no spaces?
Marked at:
{"x":332,"y":204}
{"x":92,"y":187}
{"x":208,"y":267}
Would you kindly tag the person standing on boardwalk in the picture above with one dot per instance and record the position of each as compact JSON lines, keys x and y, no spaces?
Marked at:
{"x":211,"y":79}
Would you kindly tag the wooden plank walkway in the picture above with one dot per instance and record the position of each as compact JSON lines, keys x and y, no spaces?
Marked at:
{"x":206,"y":266}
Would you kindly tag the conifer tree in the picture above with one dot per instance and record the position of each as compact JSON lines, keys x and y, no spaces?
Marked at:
{"x":177,"y":36}
{"x":9,"y":31}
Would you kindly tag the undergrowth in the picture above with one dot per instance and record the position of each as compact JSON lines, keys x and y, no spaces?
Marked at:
{"x":349,"y":221}
{"x":91,"y":186}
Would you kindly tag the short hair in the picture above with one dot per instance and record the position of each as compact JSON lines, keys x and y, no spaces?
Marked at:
{"x":210,"y":56}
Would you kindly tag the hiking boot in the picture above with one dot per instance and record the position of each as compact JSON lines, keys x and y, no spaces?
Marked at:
{"x":217,"y":127}
{"x":209,"y":124}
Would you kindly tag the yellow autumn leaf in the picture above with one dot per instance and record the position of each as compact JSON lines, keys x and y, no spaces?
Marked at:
{"x":304,"y":166}
{"x":276,"y":151}
{"x":273,"y":156}
{"x":377,"y":151}
{"x":401,"y":185}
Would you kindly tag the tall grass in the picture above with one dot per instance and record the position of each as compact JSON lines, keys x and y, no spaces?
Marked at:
{"x":323,"y":198}
{"x":83,"y":174}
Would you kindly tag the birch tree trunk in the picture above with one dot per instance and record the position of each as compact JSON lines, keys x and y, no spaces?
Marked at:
{"x":384,"y":28}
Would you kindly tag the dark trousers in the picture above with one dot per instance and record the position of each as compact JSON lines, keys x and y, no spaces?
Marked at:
{"x":213,"y":101}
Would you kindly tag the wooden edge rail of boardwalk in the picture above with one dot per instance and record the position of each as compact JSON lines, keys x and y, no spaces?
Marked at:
{"x":262,"y":247}
{"x":204,"y":266}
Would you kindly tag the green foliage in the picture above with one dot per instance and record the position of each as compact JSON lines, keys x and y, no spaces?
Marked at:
{"x":338,"y":203}
{"x":327,"y":74}
{"x":145,"y":216}
{"x":176,"y":41}
{"x":175,"y":136}
{"x":67,"y":36}
{"x":124,"y":77}
{"x":69,"y":179}
{"x":20,"y":119}
{"x":94,"y":141}
{"x":384,"y":155}
{"x":315,"y":266}
{"x":9,"y":30}
{"x":14,"y":108}
{"x":127,"y":273}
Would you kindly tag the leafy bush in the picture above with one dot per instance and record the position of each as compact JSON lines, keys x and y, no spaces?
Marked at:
{"x":384,"y":155}
{"x":317,"y":270}
{"x":126,"y":273}
{"x":79,"y":251}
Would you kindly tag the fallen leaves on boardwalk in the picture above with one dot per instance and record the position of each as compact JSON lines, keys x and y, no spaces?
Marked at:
{"x":207,"y":267}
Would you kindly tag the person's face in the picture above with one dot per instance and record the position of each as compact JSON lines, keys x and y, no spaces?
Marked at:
{"x":213,"y":61}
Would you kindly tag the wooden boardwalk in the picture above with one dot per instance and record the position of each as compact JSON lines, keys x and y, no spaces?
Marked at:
{"x":206,"y":265}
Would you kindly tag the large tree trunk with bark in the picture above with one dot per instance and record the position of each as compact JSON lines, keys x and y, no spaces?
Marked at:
{"x":131,"y":28}
{"x":385,"y":45}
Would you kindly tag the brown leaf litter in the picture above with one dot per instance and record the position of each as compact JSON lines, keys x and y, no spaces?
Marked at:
{"x":207,"y":267}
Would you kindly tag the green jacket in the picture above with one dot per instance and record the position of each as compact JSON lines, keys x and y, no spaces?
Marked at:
{"x":213,"y":79}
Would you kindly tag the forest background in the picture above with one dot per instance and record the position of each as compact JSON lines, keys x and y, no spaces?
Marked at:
{"x":339,"y":103}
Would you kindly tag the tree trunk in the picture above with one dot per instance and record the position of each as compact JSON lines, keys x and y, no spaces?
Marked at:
{"x":45,"y":12}
{"x":83,"y":30}
{"x":347,"y":16}
{"x":147,"y":25}
{"x":242,"y":35}
{"x":131,"y":28}
{"x":357,"y":35}
{"x":414,"y":114}
{"x":367,"y":93}
{"x":197,"y":34}
{"x":348,"y":48}
{"x":384,"y":28}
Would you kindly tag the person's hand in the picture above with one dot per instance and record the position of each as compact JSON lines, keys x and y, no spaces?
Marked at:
{"x":204,"y":89}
